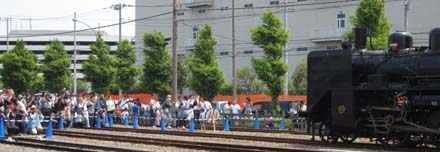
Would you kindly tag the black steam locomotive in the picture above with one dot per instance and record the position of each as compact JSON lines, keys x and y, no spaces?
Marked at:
{"x":391,"y":96}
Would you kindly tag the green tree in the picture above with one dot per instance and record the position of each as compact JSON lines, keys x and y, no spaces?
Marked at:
{"x":157,"y":65}
{"x":55,"y":67}
{"x":298,"y":83}
{"x":271,"y":37}
{"x":246,"y":77}
{"x":126,"y":71}
{"x":19,"y":68}
{"x":182,"y":74}
{"x":99,"y":69}
{"x":206,"y":78}
{"x":370,"y":15}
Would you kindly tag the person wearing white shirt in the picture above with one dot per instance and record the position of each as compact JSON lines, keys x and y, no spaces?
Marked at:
{"x":152,"y":111}
{"x":35,"y":117}
{"x":235,"y":111}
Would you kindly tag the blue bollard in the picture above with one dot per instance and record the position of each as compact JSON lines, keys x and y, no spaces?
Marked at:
{"x":98,"y":121}
{"x":106,"y":120}
{"x":110,"y":120}
{"x":126,"y":120}
{"x":226,"y":128}
{"x":282,"y":124}
{"x":28,"y":125}
{"x":162,"y":124}
{"x":135,"y":122}
{"x":2,"y":129}
{"x":61,"y":123}
{"x":191,"y":126}
{"x":256,"y":124}
{"x":49,"y":129}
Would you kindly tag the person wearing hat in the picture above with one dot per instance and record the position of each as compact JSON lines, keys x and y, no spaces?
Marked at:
{"x":35,"y":117}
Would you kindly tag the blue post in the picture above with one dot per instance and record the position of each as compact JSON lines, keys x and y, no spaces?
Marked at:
{"x":110,"y":121}
{"x":106,"y":119}
{"x":226,"y":128}
{"x":2,"y":129}
{"x":125,"y":120}
{"x":135,"y":122}
{"x":98,"y":121}
{"x":162,"y":124}
{"x":191,"y":126}
{"x":61,"y":123}
{"x":28,"y":124}
{"x":282,"y":124}
{"x":49,"y":129}
{"x":256,"y":124}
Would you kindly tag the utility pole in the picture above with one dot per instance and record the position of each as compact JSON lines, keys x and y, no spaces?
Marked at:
{"x":407,"y":4}
{"x":234,"y":74}
{"x":286,"y":60}
{"x":74,"y":54}
{"x":119,"y":8}
{"x":174,"y":84}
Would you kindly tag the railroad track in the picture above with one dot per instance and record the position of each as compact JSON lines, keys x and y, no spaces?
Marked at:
{"x":262,"y":130}
{"x":177,"y":143}
{"x":265,"y":139}
{"x":63,"y":146}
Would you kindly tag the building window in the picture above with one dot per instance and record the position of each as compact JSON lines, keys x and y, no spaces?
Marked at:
{"x":224,"y":8}
{"x":248,"y":5}
{"x":181,"y":55}
{"x":340,"y":19}
{"x":274,"y":2}
{"x":180,"y":13}
{"x":248,"y":52}
{"x":302,"y":0}
{"x":224,"y":53}
{"x":332,"y":47}
{"x":202,"y":11}
{"x":195,"y":33}
{"x":301,"y":49}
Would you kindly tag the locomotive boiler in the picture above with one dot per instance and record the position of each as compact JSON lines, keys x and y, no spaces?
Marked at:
{"x":392,"y":96}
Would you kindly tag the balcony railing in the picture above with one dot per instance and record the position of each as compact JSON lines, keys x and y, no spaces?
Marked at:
{"x":198,"y":3}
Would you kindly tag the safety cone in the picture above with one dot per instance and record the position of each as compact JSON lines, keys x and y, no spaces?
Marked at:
{"x":110,"y":120}
{"x":282,"y":124}
{"x":49,"y":129}
{"x":135,"y":122}
{"x":2,"y":129}
{"x":126,"y":120}
{"x":61,"y":123}
{"x":226,"y":128}
{"x":106,"y":120}
{"x":256,"y":124}
{"x":98,"y":121}
{"x":162,"y":124}
{"x":191,"y":126}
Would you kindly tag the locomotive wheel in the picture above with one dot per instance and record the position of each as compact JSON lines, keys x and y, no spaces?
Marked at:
{"x":326,"y":134}
{"x":394,"y":139}
{"x":348,"y":139}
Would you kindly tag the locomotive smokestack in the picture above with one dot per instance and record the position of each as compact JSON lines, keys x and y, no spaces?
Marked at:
{"x":399,"y":41}
{"x":360,"y":38}
{"x":434,"y":39}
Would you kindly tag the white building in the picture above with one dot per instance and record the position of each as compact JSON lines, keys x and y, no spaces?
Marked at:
{"x":37,"y":41}
{"x":314,"y":24}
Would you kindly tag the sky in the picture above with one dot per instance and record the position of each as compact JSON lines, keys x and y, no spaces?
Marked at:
{"x":58,"y":15}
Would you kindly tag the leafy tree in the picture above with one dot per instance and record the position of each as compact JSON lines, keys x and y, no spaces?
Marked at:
{"x":19,"y":68}
{"x":157,"y":65}
{"x":298,"y":85}
{"x":99,"y":69}
{"x":226,"y":89}
{"x":246,"y":77}
{"x":370,"y":15}
{"x":206,"y":78}
{"x":126,"y":71}
{"x":55,"y":67}
{"x":271,"y":37}
{"x":182,"y":74}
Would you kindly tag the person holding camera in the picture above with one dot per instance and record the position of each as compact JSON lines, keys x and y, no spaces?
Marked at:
{"x":36,"y":118}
